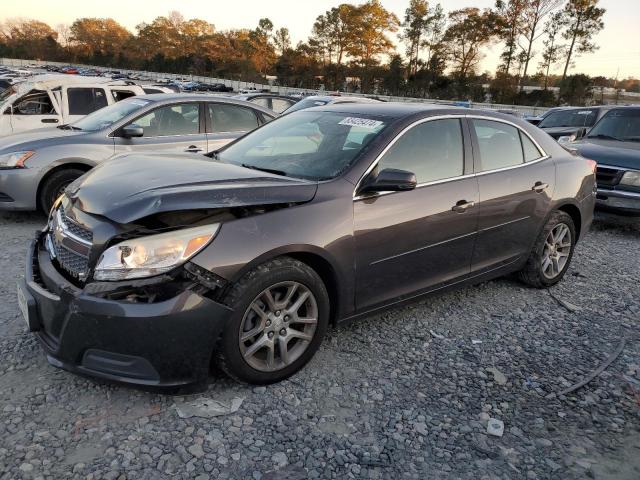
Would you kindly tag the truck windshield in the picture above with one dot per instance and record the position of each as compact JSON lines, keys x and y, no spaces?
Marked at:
{"x":311,"y":145}
{"x":619,"y":124}
{"x":570,"y":118}
{"x":107,"y":116}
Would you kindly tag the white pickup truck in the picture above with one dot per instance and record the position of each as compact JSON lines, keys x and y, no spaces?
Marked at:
{"x":55,"y":99}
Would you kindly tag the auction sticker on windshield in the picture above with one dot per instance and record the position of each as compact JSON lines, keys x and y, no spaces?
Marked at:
{"x":361,"y":122}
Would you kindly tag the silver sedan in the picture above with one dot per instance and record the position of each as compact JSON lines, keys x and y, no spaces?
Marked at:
{"x":35,"y":167}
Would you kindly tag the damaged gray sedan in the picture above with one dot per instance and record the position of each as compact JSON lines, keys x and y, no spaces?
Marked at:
{"x":154,"y":266}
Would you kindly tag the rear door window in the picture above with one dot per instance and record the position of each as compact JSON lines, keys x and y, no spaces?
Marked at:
{"x":122,"y":94}
{"x":231,"y":118}
{"x":83,"y":101}
{"x":499,"y":144}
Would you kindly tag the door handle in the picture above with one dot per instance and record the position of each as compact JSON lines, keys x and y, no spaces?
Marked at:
{"x":49,"y":120}
{"x":193,"y":149}
{"x":462,"y":206}
{"x":540,"y":187}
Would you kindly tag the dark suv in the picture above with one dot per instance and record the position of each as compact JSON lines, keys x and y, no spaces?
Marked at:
{"x":151,"y":266}
{"x":566,"y":123}
{"x":614,"y":143}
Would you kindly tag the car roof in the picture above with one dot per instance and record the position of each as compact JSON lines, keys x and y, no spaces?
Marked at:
{"x":392,"y":109}
{"x":200,"y":97}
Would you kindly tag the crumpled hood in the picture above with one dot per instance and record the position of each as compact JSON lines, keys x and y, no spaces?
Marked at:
{"x":610,"y":152}
{"x":134,"y":186}
{"x":33,"y":139}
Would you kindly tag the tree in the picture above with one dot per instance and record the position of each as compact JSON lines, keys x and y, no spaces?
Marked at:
{"x":415,"y":19}
{"x":583,"y":21}
{"x":263,"y":52}
{"x":510,"y":15}
{"x":102,"y":38}
{"x":576,"y":89}
{"x":468,"y":32}
{"x":535,"y":11}
{"x":393,"y":80}
{"x":370,"y":26}
{"x":333,"y":32}
{"x":552,"y":50}
{"x":282,"y":40}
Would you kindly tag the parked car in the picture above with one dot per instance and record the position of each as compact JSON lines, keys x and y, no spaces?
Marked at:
{"x":52,"y":99}
{"x":35,"y":167}
{"x":317,"y":217}
{"x":321,"y":100}
{"x":614,"y":143}
{"x":563,"y":124}
{"x":272,"y":101}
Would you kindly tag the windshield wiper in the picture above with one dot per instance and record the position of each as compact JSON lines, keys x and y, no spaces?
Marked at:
{"x":605,"y":137}
{"x":69,"y":127}
{"x":268,"y":170}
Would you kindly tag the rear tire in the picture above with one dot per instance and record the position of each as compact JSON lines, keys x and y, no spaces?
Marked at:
{"x":551,"y":255}
{"x":280,"y":316}
{"x":55,"y":185}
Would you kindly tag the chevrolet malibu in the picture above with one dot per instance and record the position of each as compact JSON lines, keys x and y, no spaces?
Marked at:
{"x":153,"y":267}
{"x":36,"y":166}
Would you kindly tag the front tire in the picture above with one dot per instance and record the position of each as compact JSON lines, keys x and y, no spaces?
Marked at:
{"x":55,"y":185}
{"x":551,"y":255}
{"x":280,"y":316}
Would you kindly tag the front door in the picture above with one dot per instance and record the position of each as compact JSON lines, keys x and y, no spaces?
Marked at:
{"x":170,"y":128}
{"x":516,"y":183}
{"x":408,"y":242}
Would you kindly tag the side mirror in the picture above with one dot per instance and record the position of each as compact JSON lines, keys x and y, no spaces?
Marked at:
{"x":581,"y":133}
{"x":132,"y":131}
{"x":390,"y":180}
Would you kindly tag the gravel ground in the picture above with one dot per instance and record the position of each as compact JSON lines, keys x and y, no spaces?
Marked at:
{"x":406,"y":394}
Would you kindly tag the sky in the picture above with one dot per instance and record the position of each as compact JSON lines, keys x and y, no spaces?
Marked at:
{"x":619,"y":52}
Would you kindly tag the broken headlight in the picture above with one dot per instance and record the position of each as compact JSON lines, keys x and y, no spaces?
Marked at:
{"x":153,"y":255}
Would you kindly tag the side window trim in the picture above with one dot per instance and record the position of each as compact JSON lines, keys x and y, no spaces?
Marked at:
{"x":476,"y":147}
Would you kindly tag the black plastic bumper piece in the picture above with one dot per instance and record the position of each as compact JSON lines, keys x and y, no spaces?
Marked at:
{"x":166,"y":343}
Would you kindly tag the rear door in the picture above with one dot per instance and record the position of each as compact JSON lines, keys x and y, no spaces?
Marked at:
{"x":176,"y":127}
{"x":414,"y":241}
{"x":516,"y":181}
{"x":226,"y":122}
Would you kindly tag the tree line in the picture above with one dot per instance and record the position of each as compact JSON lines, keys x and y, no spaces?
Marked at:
{"x":350,"y":48}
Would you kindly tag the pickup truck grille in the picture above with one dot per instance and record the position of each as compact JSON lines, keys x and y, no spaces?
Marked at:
{"x":608,"y":177}
{"x":69,"y":244}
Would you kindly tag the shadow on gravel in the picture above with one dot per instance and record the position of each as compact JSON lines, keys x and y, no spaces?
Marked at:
{"x":22,"y":217}
{"x":616,"y":224}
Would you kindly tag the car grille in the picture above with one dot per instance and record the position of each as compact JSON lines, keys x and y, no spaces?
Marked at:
{"x":70,"y":244}
{"x":608,"y":177}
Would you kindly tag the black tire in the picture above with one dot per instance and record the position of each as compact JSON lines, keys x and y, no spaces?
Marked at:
{"x":532,"y":274}
{"x":228,"y":355}
{"x":54,"y":185}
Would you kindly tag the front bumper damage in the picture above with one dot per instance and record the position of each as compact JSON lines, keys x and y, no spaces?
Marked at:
{"x":618,"y":201}
{"x":168,"y":342}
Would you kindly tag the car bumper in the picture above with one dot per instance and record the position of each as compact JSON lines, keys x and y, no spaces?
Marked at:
{"x":18,"y":189}
{"x":166,"y":343}
{"x":618,"y":201}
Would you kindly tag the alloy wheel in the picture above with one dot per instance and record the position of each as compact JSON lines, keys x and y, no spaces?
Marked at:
{"x":557,"y":248}
{"x":278,"y":326}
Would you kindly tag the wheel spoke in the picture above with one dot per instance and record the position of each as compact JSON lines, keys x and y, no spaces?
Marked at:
{"x":301,"y":299}
{"x":288,"y":296}
{"x":306,"y":320}
{"x":284,"y":352}
{"x":260,"y":343}
{"x":261,"y":313}
{"x":268,"y":297}
{"x":556,"y":266}
{"x":253,"y":332}
{"x":546,"y":263}
{"x":271,"y":355}
{"x":298,"y":334}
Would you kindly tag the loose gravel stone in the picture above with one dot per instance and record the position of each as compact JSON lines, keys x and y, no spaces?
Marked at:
{"x":383,"y":398}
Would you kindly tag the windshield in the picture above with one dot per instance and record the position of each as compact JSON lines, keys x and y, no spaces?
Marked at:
{"x":306,"y":103}
{"x":570,"y":118}
{"x":620,"y":124}
{"x":310,"y":145}
{"x":109,"y":115}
